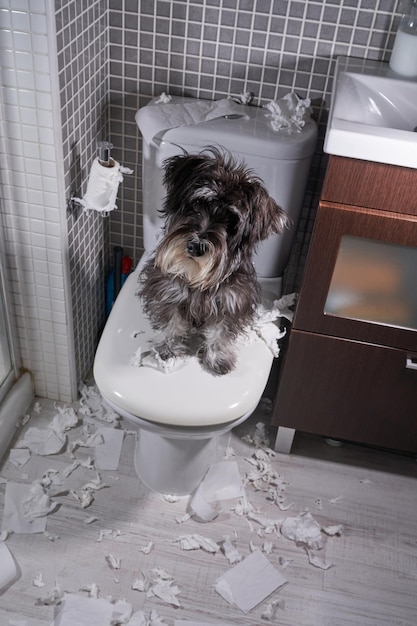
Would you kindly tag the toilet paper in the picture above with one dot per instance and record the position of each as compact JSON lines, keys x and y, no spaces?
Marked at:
{"x":289,"y":113}
{"x":102,"y":186}
{"x":159,"y":116}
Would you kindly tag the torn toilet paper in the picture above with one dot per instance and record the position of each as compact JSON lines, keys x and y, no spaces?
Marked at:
{"x":102,"y":187}
{"x":249,"y":582}
{"x":107,"y":454}
{"x":15,"y":515}
{"x":84,"y":611}
{"x":221,"y":482}
{"x":157,"y":117}
{"x":289,"y":113}
{"x":264,"y":327}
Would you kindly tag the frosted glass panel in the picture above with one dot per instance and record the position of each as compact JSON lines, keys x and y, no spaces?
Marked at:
{"x":5,"y":361}
{"x":374,"y":281}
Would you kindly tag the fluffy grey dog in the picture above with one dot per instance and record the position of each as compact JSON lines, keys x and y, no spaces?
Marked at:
{"x":200,"y":289}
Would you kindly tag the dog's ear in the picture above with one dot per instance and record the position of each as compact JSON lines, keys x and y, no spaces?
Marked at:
{"x":265,"y":216}
{"x":178,"y":169}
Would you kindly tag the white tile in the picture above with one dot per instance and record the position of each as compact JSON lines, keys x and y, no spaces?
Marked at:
{"x":22,"y":41}
{"x":33,"y":166}
{"x":37,"y":6}
{"x":27,"y":98}
{"x":7,"y":57}
{"x":34,"y":182}
{"x":44,"y":101}
{"x":50,"y":186}
{"x":20,"y":20}
{"x":45,"y":120}
{"x":28,"y":116}
{"x":9,"y":77}
{"x":41,"y":62}
{"x":40,"y":44}
{"x":42,"y":82}
{"x":24,"y":61}
{"x":46,"y":135}
{"x":25,"y":80}
{"x":5,"y":19}
{"x":38,"y":240}
{"x":6,"y":39}
{"x":37,"y":226}
{"x":38,"y":23}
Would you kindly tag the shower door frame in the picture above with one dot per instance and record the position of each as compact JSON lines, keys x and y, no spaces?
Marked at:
{"x":12,"y":375}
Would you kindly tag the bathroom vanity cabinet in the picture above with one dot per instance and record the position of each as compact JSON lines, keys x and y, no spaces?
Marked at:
{"x":350,"y":367}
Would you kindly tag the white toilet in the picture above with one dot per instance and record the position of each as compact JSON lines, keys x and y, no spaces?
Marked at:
{"x":181,"y":415}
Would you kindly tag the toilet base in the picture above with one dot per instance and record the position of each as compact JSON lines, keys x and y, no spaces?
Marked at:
{"x":175,"y":466}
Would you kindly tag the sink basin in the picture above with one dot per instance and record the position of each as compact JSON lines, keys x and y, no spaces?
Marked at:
{"x":373,"y":115}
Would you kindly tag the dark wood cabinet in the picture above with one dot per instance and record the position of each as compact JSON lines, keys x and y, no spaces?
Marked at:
{"x":350,"y":367}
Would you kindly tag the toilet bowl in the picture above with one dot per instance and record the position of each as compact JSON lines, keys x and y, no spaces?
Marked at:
{"x":184,"y":416}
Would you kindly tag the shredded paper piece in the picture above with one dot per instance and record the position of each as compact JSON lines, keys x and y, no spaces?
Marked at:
{"x":157,"y":582}
{"x":264,"y":327}
{"x":221,"y":482}
{"x":196,"y":542}
{"x":303,"y":529}
{"x":249,"y":582}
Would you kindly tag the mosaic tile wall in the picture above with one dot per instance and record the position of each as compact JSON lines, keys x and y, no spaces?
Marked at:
{"x":215,"y":48}
{"x":32,"y":198}
{"x":82,"y":36}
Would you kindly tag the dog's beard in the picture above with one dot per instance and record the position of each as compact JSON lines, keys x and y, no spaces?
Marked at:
{"x":199,"y":272}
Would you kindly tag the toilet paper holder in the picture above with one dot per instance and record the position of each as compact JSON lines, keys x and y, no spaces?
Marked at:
{"x":103,"y":153}
{"x":103,"y":183}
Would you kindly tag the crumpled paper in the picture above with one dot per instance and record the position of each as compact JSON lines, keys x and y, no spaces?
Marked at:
{"x":52,"y":439}
{"x":16,"y":515}
{"x":289,"y":113}
{"x":197,"y":542}
{"x":157,"y":582}
{"x":303,"y":529}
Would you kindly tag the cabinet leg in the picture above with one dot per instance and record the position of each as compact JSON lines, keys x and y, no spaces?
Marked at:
{"x":284,"y":439}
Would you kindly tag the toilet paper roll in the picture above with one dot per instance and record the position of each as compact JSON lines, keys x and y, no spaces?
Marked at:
{"x":8,"y":569}
{"x":102,"y":187}
{"x":155,"y":117}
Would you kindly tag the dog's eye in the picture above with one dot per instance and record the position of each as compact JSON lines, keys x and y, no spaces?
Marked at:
{"x":232,"y":226}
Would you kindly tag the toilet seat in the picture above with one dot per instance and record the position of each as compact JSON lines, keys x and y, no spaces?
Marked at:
{"x":186,"y":397}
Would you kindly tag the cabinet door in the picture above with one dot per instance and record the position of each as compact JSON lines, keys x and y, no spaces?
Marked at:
{"x":360,"y":280}
{"x":348,"y":390}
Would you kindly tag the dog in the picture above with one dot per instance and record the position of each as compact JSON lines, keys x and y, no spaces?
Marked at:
{"x":200,"y":289}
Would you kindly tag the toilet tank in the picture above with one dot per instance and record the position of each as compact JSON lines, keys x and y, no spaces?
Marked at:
{"x":282,"y":160}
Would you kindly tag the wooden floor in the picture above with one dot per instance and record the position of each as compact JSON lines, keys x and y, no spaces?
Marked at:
{"x":373,"y":580}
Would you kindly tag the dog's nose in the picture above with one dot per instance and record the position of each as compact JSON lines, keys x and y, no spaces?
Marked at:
{"x":196,"y":248}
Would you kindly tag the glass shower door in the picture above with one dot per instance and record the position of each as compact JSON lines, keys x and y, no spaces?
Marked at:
{"x":6,"y":365}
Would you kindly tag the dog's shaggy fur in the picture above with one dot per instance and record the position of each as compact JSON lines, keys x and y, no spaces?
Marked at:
{"x":200,"y":289}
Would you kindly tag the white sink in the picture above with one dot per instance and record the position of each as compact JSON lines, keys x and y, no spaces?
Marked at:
{"x":373,"y":114}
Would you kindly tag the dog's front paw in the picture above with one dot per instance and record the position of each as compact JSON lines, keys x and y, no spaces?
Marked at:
{"x":168,"y":350}
{"x":219,"y":363}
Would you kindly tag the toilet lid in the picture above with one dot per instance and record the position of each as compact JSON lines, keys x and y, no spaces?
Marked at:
{"x":189,"y":396}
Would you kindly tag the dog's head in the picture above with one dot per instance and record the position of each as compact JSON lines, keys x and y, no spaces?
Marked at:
{"x":216,"y":212}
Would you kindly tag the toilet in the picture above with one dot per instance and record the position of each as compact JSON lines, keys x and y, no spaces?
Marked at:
{"x":185,"y":416}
